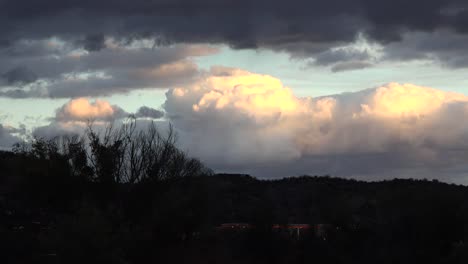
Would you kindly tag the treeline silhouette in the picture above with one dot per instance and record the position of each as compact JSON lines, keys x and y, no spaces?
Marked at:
{"x":127,"y":195}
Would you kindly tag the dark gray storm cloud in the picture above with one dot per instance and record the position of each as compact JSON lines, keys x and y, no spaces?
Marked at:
{"x":18,"y":75}
{"x":351,"y":65}
{"x":239,"y":23}
{"x":442,"y":46}
{"x":72,"y":48}
{"x":344,"y":59}
{"x":334,"y":56}
{"x":94,"y":42}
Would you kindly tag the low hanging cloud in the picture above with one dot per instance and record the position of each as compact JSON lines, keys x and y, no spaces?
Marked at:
{"x":82,"y":109}
{"x":76,"y":114}
{"x":339,"y":55}
{"x":9,"y":136}
{"x":241,"y":121}
{"x":351,"y":65}
{"x":148,"y":112}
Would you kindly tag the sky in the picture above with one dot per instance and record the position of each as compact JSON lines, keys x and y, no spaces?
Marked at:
{"x":363,"y":89}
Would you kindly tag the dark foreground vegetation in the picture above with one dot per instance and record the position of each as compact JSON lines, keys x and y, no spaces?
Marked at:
{"x":129,"y":196}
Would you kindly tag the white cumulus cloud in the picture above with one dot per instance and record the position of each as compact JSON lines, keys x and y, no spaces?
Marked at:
{"x":82,"y":109}
{"x":232,"y":119}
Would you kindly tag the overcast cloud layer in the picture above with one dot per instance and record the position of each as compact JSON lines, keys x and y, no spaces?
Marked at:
{"x":240,"y":23}
{"x":69,"y":48}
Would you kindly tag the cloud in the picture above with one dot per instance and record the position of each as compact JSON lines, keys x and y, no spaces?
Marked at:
{"x":240,"y":23}
{"x":299,"y":27}
{"x":338,"y":55}
{"x":234,"y":116}
{"x":19,"y":75}
{"x":148,"y":112}
{"x":358,"y":55}
{"x":81,"y":49}
{"x":57,"y":129}
{"x":81,"y":109}
{"x":58,"y":69}
{"x":238,"y":120}
{"x":94,"y":42}
{"x":442,"y":46}
{"x":351,"y":65}
{"x":75,"y":115}
{"x":8,"y":137}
